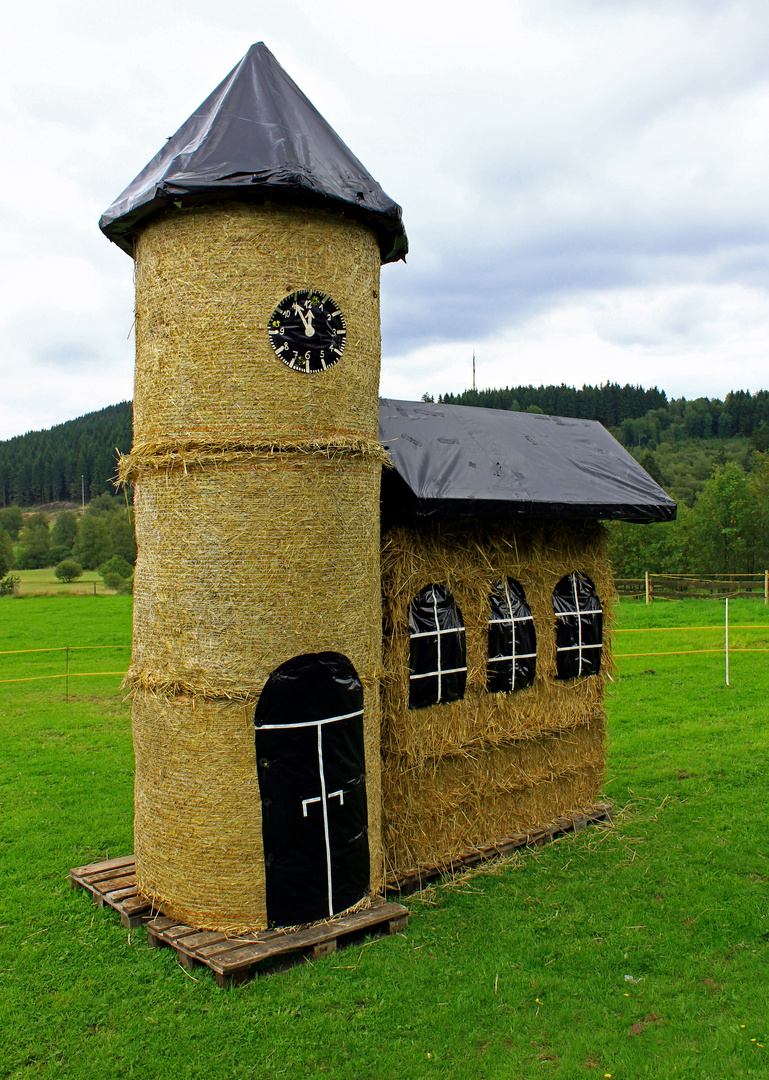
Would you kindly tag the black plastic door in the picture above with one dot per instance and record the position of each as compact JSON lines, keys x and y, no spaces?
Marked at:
{"x":312,"y":782}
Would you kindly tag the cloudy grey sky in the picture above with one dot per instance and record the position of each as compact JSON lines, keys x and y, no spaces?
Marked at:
{"x":585,"y":183}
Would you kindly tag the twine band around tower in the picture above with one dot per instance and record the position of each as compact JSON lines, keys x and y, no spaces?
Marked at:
{"x":154,"y":456}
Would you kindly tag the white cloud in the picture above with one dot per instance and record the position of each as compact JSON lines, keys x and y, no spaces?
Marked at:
{"x":583,"y":181}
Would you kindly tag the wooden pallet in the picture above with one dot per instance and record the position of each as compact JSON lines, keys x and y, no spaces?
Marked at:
{"x":112,"y":883}
{"x":412,"y":881}
{"x":238,"y":959}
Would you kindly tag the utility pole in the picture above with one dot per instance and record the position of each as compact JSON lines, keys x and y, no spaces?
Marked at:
{"x":473,"y":369}
{"x":82,"y":488}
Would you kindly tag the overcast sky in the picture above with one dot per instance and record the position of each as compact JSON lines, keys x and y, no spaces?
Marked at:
{"x":585,"y":183}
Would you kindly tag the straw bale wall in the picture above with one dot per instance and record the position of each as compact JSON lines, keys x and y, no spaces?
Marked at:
{"x":434,"y":809}
{"x":257,"y":519}
{"x":437,"y":812}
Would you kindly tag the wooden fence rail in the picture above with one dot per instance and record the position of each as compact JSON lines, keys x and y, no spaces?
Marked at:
{"x":690,"y":586}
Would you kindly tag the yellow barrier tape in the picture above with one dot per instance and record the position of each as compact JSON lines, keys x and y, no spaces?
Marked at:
{"x":718,"y":626}
{"x":685,"y":652}
{"x":62,"y":648}
{"x":71,"y":675}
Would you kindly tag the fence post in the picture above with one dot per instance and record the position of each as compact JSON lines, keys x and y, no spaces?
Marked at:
{"x":726,"y":638}
{"x":766,"y":587}
{"x":66,"y":675}
{"x":648,"y":598}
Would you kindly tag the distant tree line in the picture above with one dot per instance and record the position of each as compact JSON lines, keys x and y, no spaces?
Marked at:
{"x":609,"y":403}
{"x":710,"y":455}
{"x":637,"y":417}
{"x":726,"y":531}
{"x":105,"y":532}
{"x":53,"y":466}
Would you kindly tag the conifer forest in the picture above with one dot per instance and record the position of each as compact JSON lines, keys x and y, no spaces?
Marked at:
{"x":712,"y":456}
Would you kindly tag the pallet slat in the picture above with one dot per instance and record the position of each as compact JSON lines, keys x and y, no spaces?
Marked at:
{"x":112,"y":883}
{"x":239,"y":959}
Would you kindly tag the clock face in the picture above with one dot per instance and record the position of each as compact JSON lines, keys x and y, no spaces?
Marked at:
{"x":307,"y":331}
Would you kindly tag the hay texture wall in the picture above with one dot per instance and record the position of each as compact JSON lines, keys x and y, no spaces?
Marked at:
{"x":257,"y":517}
{"x":466,"y":773}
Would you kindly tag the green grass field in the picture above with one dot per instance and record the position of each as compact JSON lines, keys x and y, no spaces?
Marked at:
{"x":45,"y":583}
{"x":635,"y":951}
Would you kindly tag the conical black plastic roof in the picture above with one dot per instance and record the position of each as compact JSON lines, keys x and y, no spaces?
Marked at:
{"x":257,"y":137}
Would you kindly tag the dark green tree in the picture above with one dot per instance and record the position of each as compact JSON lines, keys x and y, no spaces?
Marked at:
{"x":122,"y":536}
{"x":725,"y":522}
{"x":34,"y":543}
{"x":92,"y":546}
{"x":12,"y":520}
{"x":64,"y":531}
{"x":68,"y":570}
{"x":6,"y":553}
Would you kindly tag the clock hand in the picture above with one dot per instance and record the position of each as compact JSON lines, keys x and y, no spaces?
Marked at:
{"x":309,"y":329}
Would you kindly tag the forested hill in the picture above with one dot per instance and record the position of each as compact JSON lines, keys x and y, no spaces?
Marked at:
{"x":609,"y":403}
{"x":637,"y":417}
{"x":47,"y":466}
{"x":677,"y":441}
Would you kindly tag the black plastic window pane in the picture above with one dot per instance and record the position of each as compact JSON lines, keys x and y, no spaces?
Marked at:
{"x":438,"y":665}
{"x":579,"y":627}
{"x":512,"y":663}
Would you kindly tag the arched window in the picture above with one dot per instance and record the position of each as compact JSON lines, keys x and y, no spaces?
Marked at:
{"x":579,"y":627}
{"x":438,"y":667}
{"x":512,"y":639}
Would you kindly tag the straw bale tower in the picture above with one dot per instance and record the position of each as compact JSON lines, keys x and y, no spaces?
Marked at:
{"x":258,"y":239}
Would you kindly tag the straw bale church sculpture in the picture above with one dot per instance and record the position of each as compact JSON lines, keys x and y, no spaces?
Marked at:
{"x":289,"y":757}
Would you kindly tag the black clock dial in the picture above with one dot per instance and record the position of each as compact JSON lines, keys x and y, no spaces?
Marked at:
{"x":307,"y":331}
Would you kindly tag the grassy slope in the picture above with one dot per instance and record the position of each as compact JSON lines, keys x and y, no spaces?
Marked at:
{"x":518,"y":972}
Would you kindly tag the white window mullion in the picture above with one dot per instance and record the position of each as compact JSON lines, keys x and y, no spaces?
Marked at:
{"x":579,"y":621}
{"x":512,"y":634}
{"x":438,"y":645}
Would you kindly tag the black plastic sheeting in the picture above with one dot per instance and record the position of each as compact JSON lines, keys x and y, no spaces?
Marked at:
{"x":578,"y":627}
{"x":438,"y":649}
{"x":257,"y":137}
{"x":312,"y":782}
{"x":512,"y":661}
{"x":457,"y":460}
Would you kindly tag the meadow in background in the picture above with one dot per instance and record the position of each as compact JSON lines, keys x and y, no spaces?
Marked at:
{"x":638,"y":950}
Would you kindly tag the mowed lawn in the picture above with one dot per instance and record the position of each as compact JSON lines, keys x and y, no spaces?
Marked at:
{"x":634,"y":951}
{"x":45,"y":583}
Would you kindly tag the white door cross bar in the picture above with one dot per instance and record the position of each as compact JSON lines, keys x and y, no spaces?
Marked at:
{"x":331,"y":795}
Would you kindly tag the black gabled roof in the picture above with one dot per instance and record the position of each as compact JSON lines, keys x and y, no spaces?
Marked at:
{"x":257,"y":137}
{"x":456,"y":460}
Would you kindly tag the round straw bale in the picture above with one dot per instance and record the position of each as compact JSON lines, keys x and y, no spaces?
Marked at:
{"x":243,"y":567}
{"x":208,"y":279}
{"x":198,"y":832}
